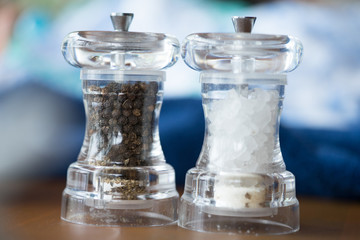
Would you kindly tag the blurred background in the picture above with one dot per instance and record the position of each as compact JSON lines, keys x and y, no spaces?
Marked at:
{"x":42,"y":119}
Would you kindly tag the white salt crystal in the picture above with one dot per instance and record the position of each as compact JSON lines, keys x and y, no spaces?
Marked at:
{"x":242,"y":136}
{"x":242,"y":129}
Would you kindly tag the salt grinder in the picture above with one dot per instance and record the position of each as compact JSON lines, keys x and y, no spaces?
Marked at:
{"x":120,"y":177}
{"x":240,"y":184}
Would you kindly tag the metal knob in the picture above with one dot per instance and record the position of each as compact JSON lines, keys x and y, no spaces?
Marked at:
{"x":243,"y":24}
{"x":121,"y":21}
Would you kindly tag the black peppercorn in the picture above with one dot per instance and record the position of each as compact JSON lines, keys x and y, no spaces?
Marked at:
{"x":120,"y":120}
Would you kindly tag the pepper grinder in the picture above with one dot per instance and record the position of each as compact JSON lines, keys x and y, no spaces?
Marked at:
{"x":240,"y":184}
{"x":121,"y":177}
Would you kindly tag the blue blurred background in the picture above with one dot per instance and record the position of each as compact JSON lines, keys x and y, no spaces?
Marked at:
{"x":42,"y":118}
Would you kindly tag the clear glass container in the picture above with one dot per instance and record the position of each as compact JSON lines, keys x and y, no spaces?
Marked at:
{"x":121,"y":177}
{"x":240,"y":184}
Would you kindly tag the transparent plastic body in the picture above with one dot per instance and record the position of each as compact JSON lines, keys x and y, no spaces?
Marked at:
{"x":240,"y":184}
{"x":121,"y":177}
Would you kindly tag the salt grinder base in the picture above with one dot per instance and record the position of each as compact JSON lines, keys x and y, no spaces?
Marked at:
{"x":240,"y":206}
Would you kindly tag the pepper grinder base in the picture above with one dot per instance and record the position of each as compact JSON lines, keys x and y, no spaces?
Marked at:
{"x":97,"y":195}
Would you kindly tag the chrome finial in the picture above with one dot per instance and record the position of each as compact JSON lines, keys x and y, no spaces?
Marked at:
{"x":243,"y":24}
{"x":121,"y":21}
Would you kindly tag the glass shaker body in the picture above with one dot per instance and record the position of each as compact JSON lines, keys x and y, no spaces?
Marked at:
{"x":121,"y":177}
{"x":240,"y":184}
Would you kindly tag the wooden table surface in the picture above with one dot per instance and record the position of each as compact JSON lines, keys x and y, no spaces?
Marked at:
{"x":31,"y":210}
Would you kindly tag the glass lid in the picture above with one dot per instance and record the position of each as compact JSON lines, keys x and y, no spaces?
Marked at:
{"x":120,"y":49}
{"x":242,"y":51}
